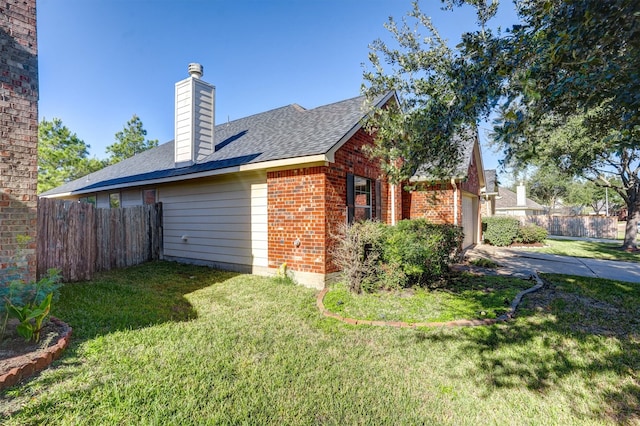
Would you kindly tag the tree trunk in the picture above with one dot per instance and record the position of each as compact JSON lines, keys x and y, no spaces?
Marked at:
{"x":631,"y":229}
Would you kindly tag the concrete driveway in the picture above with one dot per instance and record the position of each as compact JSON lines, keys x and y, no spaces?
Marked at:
{"x":520,"y":262}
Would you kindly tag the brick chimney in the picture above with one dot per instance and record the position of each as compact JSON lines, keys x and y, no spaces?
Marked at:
{"x":194,"y":118}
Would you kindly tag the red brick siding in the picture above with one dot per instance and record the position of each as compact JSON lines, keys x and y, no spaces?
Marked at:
{"x":348,"y":159}
{"x":472,"y":183}
{"x":434,"y":202}
{"x":296,"y":210}
{"x":18,"y":129}
{"x":310,"y":204}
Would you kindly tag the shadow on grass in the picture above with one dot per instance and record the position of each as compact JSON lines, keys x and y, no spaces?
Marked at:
{"x":132,"y":298}
{"x":578,"y":335}
{"x":126,"y":299}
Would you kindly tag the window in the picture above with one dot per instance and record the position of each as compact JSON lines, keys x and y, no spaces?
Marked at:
{"x":149,"y":196}
{"x":362,"y":188}
{"x":114,"y":200}
{"x":360,"y":198}
{"x":91,"y":199}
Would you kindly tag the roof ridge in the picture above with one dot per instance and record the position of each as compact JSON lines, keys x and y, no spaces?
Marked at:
{"x":260,"y":113}
{"x":336,"y":102}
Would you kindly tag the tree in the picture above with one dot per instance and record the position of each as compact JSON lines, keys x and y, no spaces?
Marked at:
{"x":573,"y":93}
{"x":547,"y":186}
{"x":442,"y":92}
{"x":62,"y":156}
{"x":565,"y":83}
{"x":130,"y":141}
{"x":586,"y":193}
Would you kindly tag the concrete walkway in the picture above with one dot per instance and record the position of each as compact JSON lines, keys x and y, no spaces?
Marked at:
{"x":520,"y":263}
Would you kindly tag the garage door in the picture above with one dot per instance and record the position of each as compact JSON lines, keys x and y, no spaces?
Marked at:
{"x":469,"y":219}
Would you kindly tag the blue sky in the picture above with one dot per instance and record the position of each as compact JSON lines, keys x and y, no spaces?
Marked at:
{"x":101,"y":61}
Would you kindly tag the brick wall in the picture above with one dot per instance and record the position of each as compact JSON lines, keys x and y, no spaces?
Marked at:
{"x":472,"y":183}
{"x":436,"y":202}
{"x":432,"y":202}
{"x":18,"y":130}
{"x":309,"y":204}
{"x":296,"y":210}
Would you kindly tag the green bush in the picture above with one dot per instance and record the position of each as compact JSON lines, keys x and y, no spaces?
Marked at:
{"x":372,"y":255}
{"x":531,"y":233}
{"x":500,"y":231}
{"x":421,"y":250}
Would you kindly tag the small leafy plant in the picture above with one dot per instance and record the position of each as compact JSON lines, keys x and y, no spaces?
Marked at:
{"x":30,"y":317}
{"x":500,"y":231}
{"x":30,"y":303}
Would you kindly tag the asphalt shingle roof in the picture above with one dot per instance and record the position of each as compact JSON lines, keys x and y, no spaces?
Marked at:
{"x":508,"y":199}
{"x":281,"y":133}
{"x":465,"y":140}
{"x":491,"y":181}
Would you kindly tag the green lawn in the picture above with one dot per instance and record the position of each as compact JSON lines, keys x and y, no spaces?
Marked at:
{"x":609,"y":251}
{"x":168,"y":344}
{"x":467,"y":297}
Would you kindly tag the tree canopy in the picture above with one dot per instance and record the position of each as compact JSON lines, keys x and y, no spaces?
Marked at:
{"x":565,"y":82}
{"x":62,"y":156}
{"x":131,"y":140}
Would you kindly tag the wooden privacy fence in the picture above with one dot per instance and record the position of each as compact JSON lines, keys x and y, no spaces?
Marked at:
{"x":576,"y":226}
{"x":80,"y":240}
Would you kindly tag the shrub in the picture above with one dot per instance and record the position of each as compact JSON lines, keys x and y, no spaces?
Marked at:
{"x":372,"y":255}
{"x":500,"y":231}
{"x":421,"y":250}
{"x":357,"y":253}
{"x":531,"y":233}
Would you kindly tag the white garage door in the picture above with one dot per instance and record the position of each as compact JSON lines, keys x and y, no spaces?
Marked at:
{"x":469,"y":219}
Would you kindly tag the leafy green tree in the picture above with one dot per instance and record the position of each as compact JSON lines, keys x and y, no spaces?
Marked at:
{"x":131,"y":140}
{"x":565,"y":82}
{"x":548,"y":185}
{"x":573,"y":93}
{"x":62,"y":156}
{"x":441,"y":91}
{"x":585,"y":193}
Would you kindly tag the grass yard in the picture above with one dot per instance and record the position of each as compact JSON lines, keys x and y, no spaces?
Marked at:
{"x":470,"y":297}
{"x":164,"y":343}
{"x":575,"y":248}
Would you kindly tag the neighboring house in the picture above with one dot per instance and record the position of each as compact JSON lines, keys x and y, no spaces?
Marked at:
{"x":489,"y":193}
{"x":454,"y":201}
{"x":516,"y":203}
{"x":253,"y":194}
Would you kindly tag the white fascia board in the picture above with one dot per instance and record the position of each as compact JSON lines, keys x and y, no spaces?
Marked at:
{"x":283,"y":163}
{"x":479,"y":163}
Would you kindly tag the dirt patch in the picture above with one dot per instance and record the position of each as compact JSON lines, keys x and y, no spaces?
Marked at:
{"x":16,"y":352}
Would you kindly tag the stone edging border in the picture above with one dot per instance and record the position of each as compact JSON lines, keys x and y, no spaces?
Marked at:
{"x":17,"y":374}
{"x":457,"y":323}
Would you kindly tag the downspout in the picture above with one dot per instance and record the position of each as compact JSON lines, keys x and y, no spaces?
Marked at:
{"x":393,"y":204}
{"x":455,"y":201}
